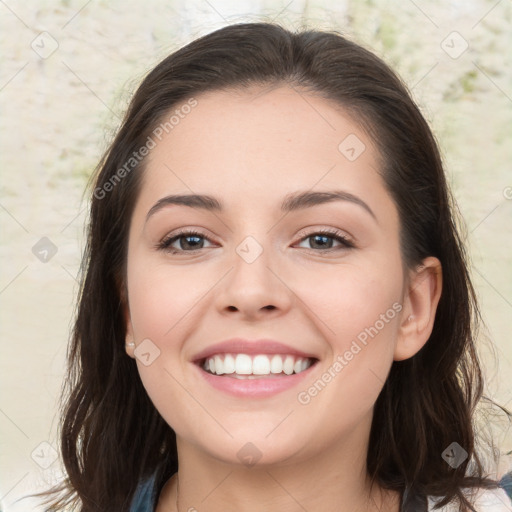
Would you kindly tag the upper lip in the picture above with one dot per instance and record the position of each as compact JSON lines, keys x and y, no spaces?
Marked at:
{"x":245,"y":346}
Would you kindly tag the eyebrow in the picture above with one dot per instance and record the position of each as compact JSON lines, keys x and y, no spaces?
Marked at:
{"x":292,"y":202}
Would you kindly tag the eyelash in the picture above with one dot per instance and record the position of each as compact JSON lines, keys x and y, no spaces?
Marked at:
{"x":165,"y":244}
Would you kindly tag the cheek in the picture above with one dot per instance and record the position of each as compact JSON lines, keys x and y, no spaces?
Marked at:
{"x":344,"y":393}
{"x":349,"y":300}
{"x":359,"y":308}
{"x":160,"y":296}
{"x":163,"y":301}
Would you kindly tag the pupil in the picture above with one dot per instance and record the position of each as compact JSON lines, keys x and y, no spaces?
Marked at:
{"x":196,"y":238}
{"x":316,"y":237}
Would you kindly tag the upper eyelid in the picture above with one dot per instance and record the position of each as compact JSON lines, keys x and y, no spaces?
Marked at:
{"x":326,"y":231}
{"x":186,"y":232}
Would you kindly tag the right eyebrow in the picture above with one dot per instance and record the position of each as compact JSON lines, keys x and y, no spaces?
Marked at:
{"x":201,"y":201}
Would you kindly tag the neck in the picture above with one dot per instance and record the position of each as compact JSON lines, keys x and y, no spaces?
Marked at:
{"x":331,"y":480}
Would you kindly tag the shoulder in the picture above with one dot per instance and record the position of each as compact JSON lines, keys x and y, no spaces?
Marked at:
{"x":484,"y":500}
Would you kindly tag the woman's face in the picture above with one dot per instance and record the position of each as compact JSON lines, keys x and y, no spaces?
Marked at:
{"x":258,"y":270}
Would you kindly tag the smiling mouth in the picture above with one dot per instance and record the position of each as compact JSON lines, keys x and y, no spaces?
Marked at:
{"x":245,"y":366}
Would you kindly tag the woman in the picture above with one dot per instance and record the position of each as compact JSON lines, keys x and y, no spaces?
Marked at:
{"x":276,"y":310}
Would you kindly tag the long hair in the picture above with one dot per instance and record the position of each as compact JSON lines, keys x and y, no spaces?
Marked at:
{"x":112,"y":436}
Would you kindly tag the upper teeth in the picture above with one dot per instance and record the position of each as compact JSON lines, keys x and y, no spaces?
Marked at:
{"x":244,"y":364}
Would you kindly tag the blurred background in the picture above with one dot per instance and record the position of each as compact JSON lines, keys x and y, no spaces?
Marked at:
{"x":68,"y":70}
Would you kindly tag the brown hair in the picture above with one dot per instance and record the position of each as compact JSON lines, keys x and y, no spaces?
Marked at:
{"x":112,"y":436}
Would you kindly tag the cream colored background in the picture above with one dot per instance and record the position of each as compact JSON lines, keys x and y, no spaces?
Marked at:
{"x":59,"y":113}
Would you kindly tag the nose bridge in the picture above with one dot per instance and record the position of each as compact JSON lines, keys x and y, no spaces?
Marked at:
{"x":252,"y":285}
{"x":251,"y":231}
{"x":252,"y":264}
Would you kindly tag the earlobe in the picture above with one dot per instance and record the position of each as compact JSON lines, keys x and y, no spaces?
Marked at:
{"x":419,"y":311}
{"x":129,"y":345}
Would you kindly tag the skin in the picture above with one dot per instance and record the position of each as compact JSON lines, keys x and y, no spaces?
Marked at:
{"x":250,"y":149}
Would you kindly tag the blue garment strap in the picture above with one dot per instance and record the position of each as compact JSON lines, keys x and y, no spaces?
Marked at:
{"x":145,"y":498}
{"x":506,"y":484}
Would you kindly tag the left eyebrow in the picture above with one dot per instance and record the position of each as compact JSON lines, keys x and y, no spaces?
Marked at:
{"x":307,"y":199}
{"x":292,"y":202}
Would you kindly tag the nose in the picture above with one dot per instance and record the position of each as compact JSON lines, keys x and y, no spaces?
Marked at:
{"x":254,"y":289}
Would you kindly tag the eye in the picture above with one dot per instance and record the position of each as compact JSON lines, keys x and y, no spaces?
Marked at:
{"x":323,"y":240}
{"x":188,"y":241}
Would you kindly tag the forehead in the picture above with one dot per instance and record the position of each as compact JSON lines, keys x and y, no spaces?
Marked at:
{"x":253,"y":144}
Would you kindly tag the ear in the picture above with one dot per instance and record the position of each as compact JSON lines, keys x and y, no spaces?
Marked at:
{"x":420,"y":304}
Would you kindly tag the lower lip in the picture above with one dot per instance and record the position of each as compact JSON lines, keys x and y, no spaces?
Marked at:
{"x":254,"y":388}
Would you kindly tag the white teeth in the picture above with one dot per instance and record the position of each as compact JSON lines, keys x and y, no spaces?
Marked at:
{"x":276,"y":364}
{"x":288,"y":365}
{"x":219,"y":366}
{"x":229,"y":364}
{"x":261,"y":365}
{"x":245,"y":366}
